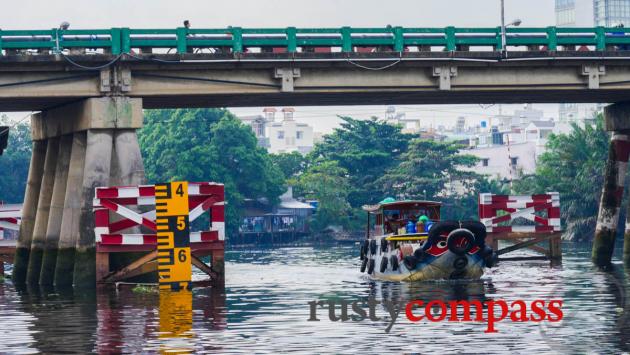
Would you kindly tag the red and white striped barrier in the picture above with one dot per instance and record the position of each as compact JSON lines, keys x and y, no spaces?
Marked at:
{"x":10,"y":217}
{"x":517,"y":206}
{"x":202,"y":196}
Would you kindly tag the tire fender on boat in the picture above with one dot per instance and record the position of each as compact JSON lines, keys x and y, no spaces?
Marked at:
{"x":460,"y":241}
{"x":394,"y":262}
{"x":364,"y":249}
{"x":478,"y":229}
{"x":383,"y":264}
{"x":371,"y":266}
{"x":438,"y":229}
{"x":364,"y":264}
{"x":373,"y":246}
{"x":383,"y":245}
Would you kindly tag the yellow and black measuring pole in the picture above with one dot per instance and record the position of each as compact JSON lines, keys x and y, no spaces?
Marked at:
{"x":173,"y":236}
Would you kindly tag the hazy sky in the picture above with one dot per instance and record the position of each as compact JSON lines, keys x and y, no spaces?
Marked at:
{"x":36,"y":14}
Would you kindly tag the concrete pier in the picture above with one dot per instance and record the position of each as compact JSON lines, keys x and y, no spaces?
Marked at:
{"x":29,"y":211}
{"x":616,"y":119}
{"x":127,"y":170}
{"x":43,"y":210}
{"x":69,"y":234}
{"x":98,"y":156}
{"x":55,"y":215}
{"x":74,"y":147}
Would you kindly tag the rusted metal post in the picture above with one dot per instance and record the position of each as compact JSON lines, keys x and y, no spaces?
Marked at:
{"x":218,"y":265}
{"x":612,"y":192}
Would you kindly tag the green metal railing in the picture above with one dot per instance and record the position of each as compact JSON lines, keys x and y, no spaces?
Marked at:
{"x":291,"y":39}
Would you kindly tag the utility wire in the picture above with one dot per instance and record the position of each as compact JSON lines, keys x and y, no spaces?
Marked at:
{"x":16,"y":123}
{"x":99,"y":67}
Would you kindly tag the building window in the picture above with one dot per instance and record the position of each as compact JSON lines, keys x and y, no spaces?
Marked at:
{"x":514,"y":161}
{"x":299,"y":134}
{"x":485,"y":161}
{"x":280,"y":134}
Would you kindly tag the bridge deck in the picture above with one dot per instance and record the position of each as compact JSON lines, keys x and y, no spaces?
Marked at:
{"x":181,"y":67}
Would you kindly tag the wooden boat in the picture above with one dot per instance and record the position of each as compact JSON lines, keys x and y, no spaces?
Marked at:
{"x":406,"y":241}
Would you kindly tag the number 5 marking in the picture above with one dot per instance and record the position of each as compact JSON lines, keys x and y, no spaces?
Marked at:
{"x":181,"y":223}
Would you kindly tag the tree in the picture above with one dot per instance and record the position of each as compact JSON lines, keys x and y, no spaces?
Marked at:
{"x":573,"y":165}
{"x":366,"y":149}
{"x":427,"y":168}
{"x":328,"y":183}
{"x":209,"y":145}
{"x":291,"y":164}
{"x":14,"y":162}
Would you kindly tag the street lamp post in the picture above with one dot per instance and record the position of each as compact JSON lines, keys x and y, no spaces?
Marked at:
{"x":503,"y":37}
{"x":516,"y":22}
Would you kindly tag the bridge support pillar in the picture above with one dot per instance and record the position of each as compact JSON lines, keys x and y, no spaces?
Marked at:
{"x":55,"y":214}
{"x":617,"y":120}
{"x":43,"y":211}
{"x":74,"y":149}
{"x":29,"y":211}
{"x":69,"y":234}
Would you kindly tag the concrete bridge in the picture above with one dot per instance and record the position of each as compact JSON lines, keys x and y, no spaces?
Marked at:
{"x":91,"y":87}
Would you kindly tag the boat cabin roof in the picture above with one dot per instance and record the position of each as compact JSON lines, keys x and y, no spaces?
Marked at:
{"x":405,"y":204}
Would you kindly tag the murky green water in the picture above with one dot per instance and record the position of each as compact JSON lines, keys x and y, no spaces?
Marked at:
{"x":264,"y":308}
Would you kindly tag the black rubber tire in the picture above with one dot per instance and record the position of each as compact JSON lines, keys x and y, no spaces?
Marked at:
{"x":383,"y":264}
{"x":371,"y":266}
{"x":394,"y":261}
{"x":478,"y":229}
{"x":438,"y":229}
{"x":383,"y":245}
{"x":456,"y":236}
{"x":410,"y":262}
{"x":460,"y":262}
{"x":373,"y":246}
{"x":364,"y":264}
{"x":361,"y":252}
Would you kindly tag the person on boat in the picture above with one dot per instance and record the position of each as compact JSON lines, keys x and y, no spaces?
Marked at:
{"x":392,"y":223}
{"x":426,"y":222}
{"x":411,"y":225}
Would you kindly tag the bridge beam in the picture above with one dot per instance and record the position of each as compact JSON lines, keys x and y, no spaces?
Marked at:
{"x":74,"y":149}
{"x":617,"y":120}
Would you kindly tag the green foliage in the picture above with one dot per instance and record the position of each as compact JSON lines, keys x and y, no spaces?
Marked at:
{"x":365,"y":149}
{"x":573,"y":165}
{"x":426,"y":168}
{"x":328,"y":183}
{"x":209,"y":145}
{"x":291,"y":164}
{"x":14,"y":162}
{"x":435,"y":171}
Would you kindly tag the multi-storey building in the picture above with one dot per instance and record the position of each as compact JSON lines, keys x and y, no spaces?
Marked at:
{"x":281,"y":136}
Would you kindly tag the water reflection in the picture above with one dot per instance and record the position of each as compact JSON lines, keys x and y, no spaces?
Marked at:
{"x":264,"y":307}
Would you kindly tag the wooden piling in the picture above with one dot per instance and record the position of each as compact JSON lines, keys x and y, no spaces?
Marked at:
{"x":612,"y":194}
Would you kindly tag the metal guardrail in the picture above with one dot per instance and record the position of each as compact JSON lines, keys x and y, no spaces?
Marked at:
{"x":291,"y":39}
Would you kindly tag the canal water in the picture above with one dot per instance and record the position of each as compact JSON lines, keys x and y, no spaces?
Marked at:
{"x":264,"y":308}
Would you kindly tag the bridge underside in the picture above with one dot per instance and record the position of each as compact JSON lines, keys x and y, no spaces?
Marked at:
{"x":209,"y":80}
